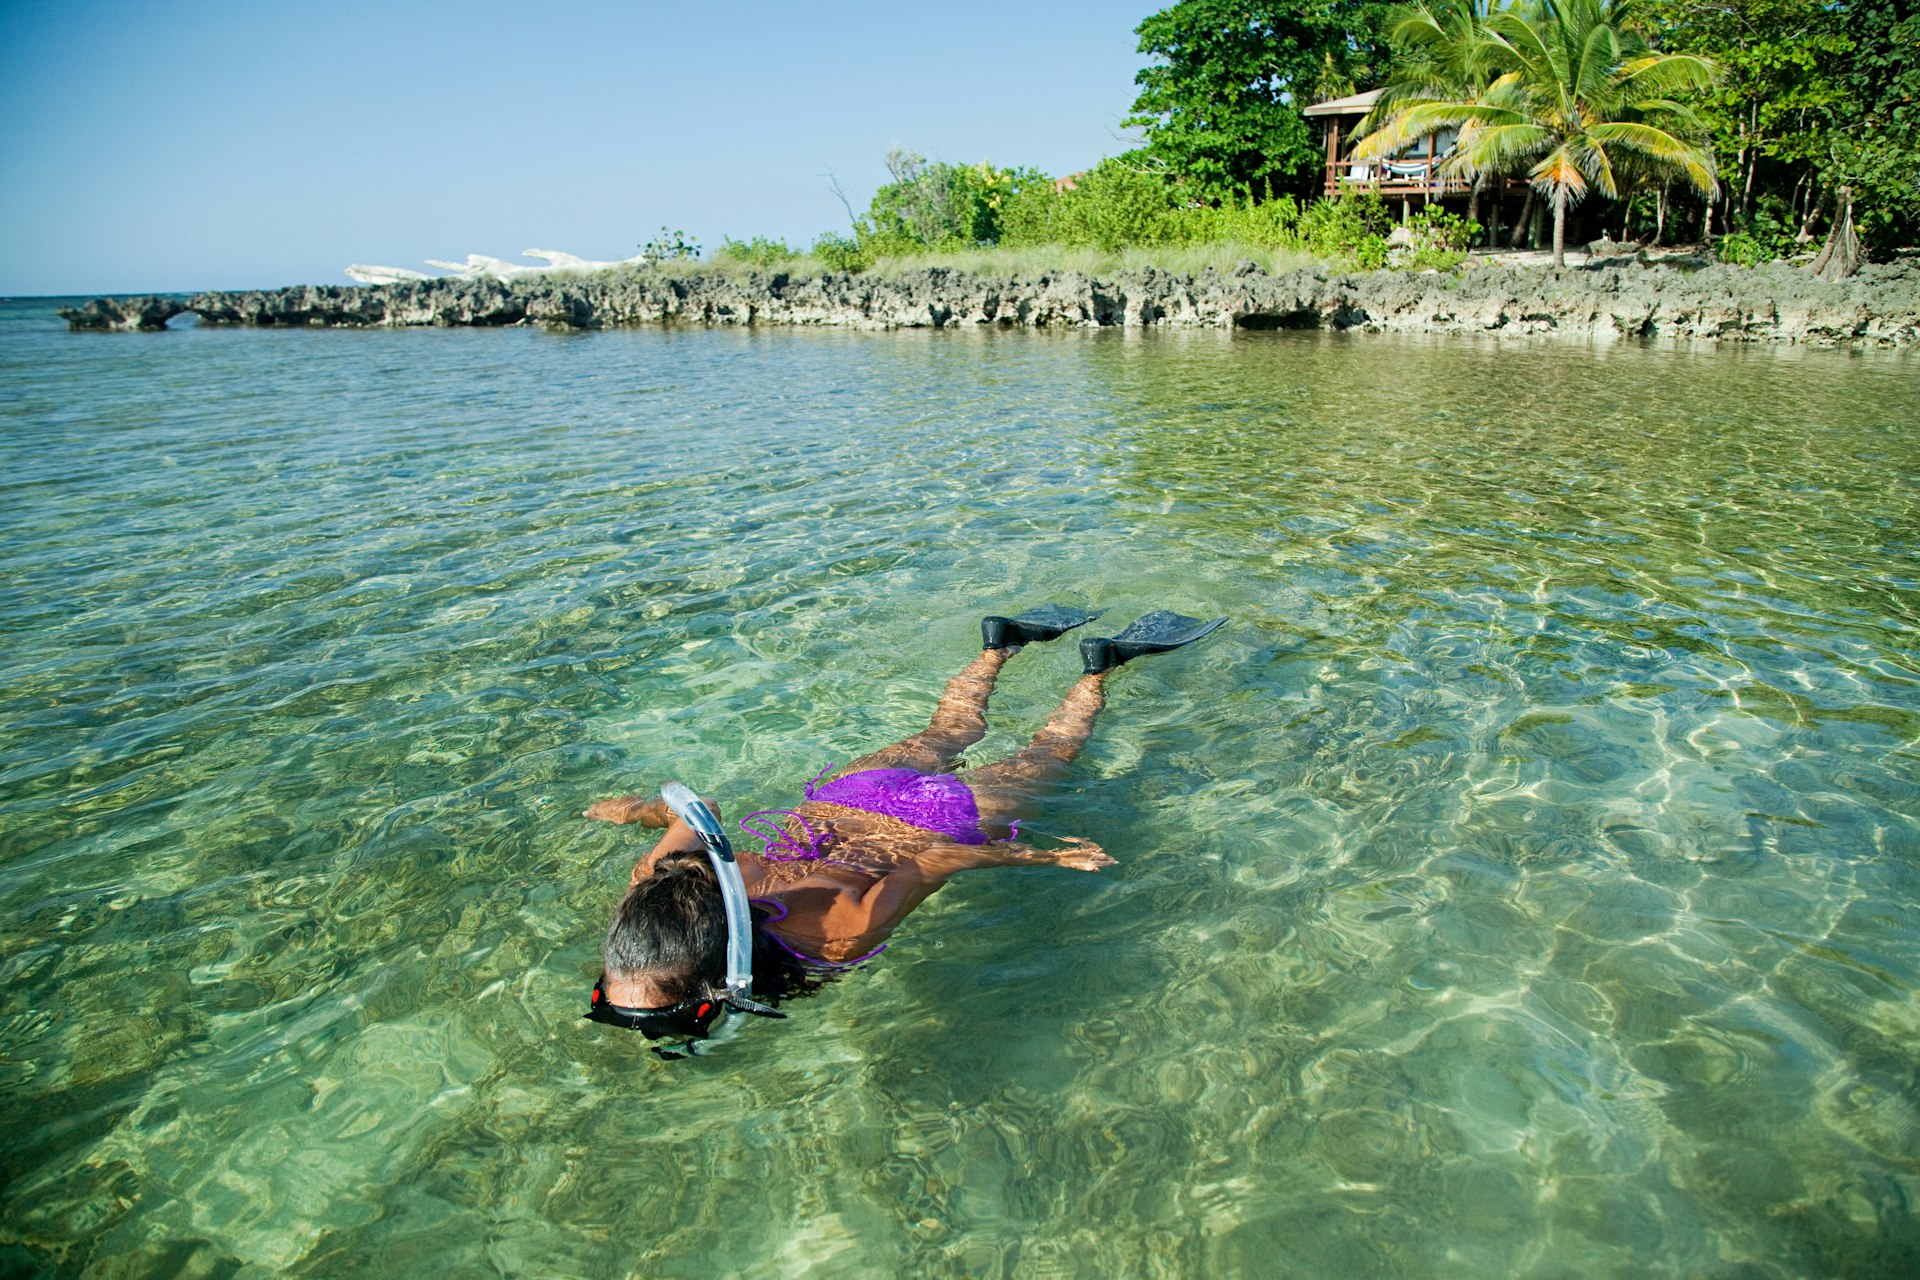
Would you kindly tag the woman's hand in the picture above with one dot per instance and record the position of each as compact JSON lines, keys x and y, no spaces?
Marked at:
{"x":647,"y":811}
{"x":1080,"y":855}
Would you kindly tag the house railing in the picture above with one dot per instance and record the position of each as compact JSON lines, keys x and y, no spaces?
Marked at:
{"x":1400,"y":175}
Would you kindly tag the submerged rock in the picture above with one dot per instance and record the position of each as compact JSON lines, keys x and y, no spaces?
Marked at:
{"x":1612,"y":297}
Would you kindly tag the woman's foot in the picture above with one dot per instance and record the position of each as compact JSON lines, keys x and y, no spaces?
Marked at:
{"x":1048,"y":622}
{"x":1159,"y":632}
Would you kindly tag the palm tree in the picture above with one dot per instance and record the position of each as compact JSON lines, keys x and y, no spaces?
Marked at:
{"x":1576,"y":95}
{"x":1442,"y":59}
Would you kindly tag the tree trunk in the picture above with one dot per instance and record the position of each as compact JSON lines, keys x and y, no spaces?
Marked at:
{"x":1523,"y":222}
{"x":1841,"y":256}
{"x":1752,"y":154}
{"x":1660,"y":214}
{"x":1814,"y":206}
{"x":1473,"y":200}
{"x":1493,"y":226}
{"x":1560,"y":225}
{"x":1739,"y":166}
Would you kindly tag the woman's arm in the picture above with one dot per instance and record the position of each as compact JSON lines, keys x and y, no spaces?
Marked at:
{"x":868,"y":919}
{"x":680,"y":838}
{"x":947,"y":860}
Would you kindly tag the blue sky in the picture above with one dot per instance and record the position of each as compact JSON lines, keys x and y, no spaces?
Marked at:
{"x":199,"y":145}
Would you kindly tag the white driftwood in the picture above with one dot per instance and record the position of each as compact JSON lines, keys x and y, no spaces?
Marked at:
{"x":383,"y":275}
{"x":480,"y":266}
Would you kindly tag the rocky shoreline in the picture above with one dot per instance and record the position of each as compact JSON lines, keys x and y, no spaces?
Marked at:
{"x":1604,"y":300}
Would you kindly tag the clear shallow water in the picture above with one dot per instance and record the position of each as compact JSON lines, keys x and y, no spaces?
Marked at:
{"x":1522,"y":885}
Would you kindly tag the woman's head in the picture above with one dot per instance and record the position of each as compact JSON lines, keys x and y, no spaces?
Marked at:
{"x":671,"y":929}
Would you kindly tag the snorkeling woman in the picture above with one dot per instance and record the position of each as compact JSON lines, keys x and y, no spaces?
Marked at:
{"x":868,"y":845}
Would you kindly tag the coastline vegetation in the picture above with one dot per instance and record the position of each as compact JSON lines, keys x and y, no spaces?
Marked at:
{"x":1755,"y":127}
{"x":981,"y":219}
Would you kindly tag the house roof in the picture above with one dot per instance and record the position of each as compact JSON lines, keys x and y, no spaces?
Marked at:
{"x":1356,"y":104}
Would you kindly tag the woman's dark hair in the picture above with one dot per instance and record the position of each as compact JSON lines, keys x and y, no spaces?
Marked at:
{"x":672,"y":927}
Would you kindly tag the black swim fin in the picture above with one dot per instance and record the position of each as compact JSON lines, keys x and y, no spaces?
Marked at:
{"x":1048,"y":622}
{"x":1158,"y":632}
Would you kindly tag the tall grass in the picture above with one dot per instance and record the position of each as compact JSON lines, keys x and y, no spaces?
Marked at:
{"x":1046,"y":259}
{"x":1025,"y":260}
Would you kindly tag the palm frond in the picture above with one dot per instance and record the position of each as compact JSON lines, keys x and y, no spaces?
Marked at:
{"x":1504,"y":148}
{"x":1386,"y":139}
{"x":1396,"y":100}
{"x":1665,"y":108}
{"x":1435,"y":116}
{"x":1415,"y":25}
{"x":1559,"y":172}
{"x":1591,"y":77}
{"x":1662,"y":151}
{"x":1514,"y":40}
{"x":1664,"y":72}
{"x":1596,"y":164}
{"x":1507,"y":91}
{"x":1422,"y":119}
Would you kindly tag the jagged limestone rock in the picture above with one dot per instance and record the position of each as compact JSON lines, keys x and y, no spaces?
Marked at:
{"x":107,"y":314}
{"x":1611,"y":298}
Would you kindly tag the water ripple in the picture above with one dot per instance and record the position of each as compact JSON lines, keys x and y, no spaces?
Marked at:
{"x":1517,"y":887}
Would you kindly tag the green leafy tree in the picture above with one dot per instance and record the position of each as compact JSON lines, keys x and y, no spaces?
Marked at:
{"x":1872,"y":142}
{"x":1776,"y":87}
{"x":1221,"y":104}
{"x":1817,"y":95}
{"x":1578,"y":102}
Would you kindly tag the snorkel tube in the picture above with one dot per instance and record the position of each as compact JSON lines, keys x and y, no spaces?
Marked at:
{"x":693,"y":811}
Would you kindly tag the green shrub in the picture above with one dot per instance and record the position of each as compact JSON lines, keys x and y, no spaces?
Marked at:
{"x":1031,"y":215}
{"x":761,"y":252}
{"x":671,"y":246}
{"x":1121,"y":206}
{"x":1351,"y":229}
{"x":1433,"y":227}
{"x":1116,"y":206}
{"x":1113,"y":206}
{"x":840,"y":253}
{"x":939,"y":206}
{"x":1426,"y":259}
{"x":1770,"y":232}
{"x":1274,"y":224}
{"x":1369,"y":253}
{"x":1436,"y":241}
{"x":1742,"y":250}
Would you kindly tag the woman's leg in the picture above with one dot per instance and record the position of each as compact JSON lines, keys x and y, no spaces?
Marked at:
{"x":1004,"y":790}
{"x":959,"y":721}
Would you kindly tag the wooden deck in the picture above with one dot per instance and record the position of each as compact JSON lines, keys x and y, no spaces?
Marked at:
{"x":1400,"y":176}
